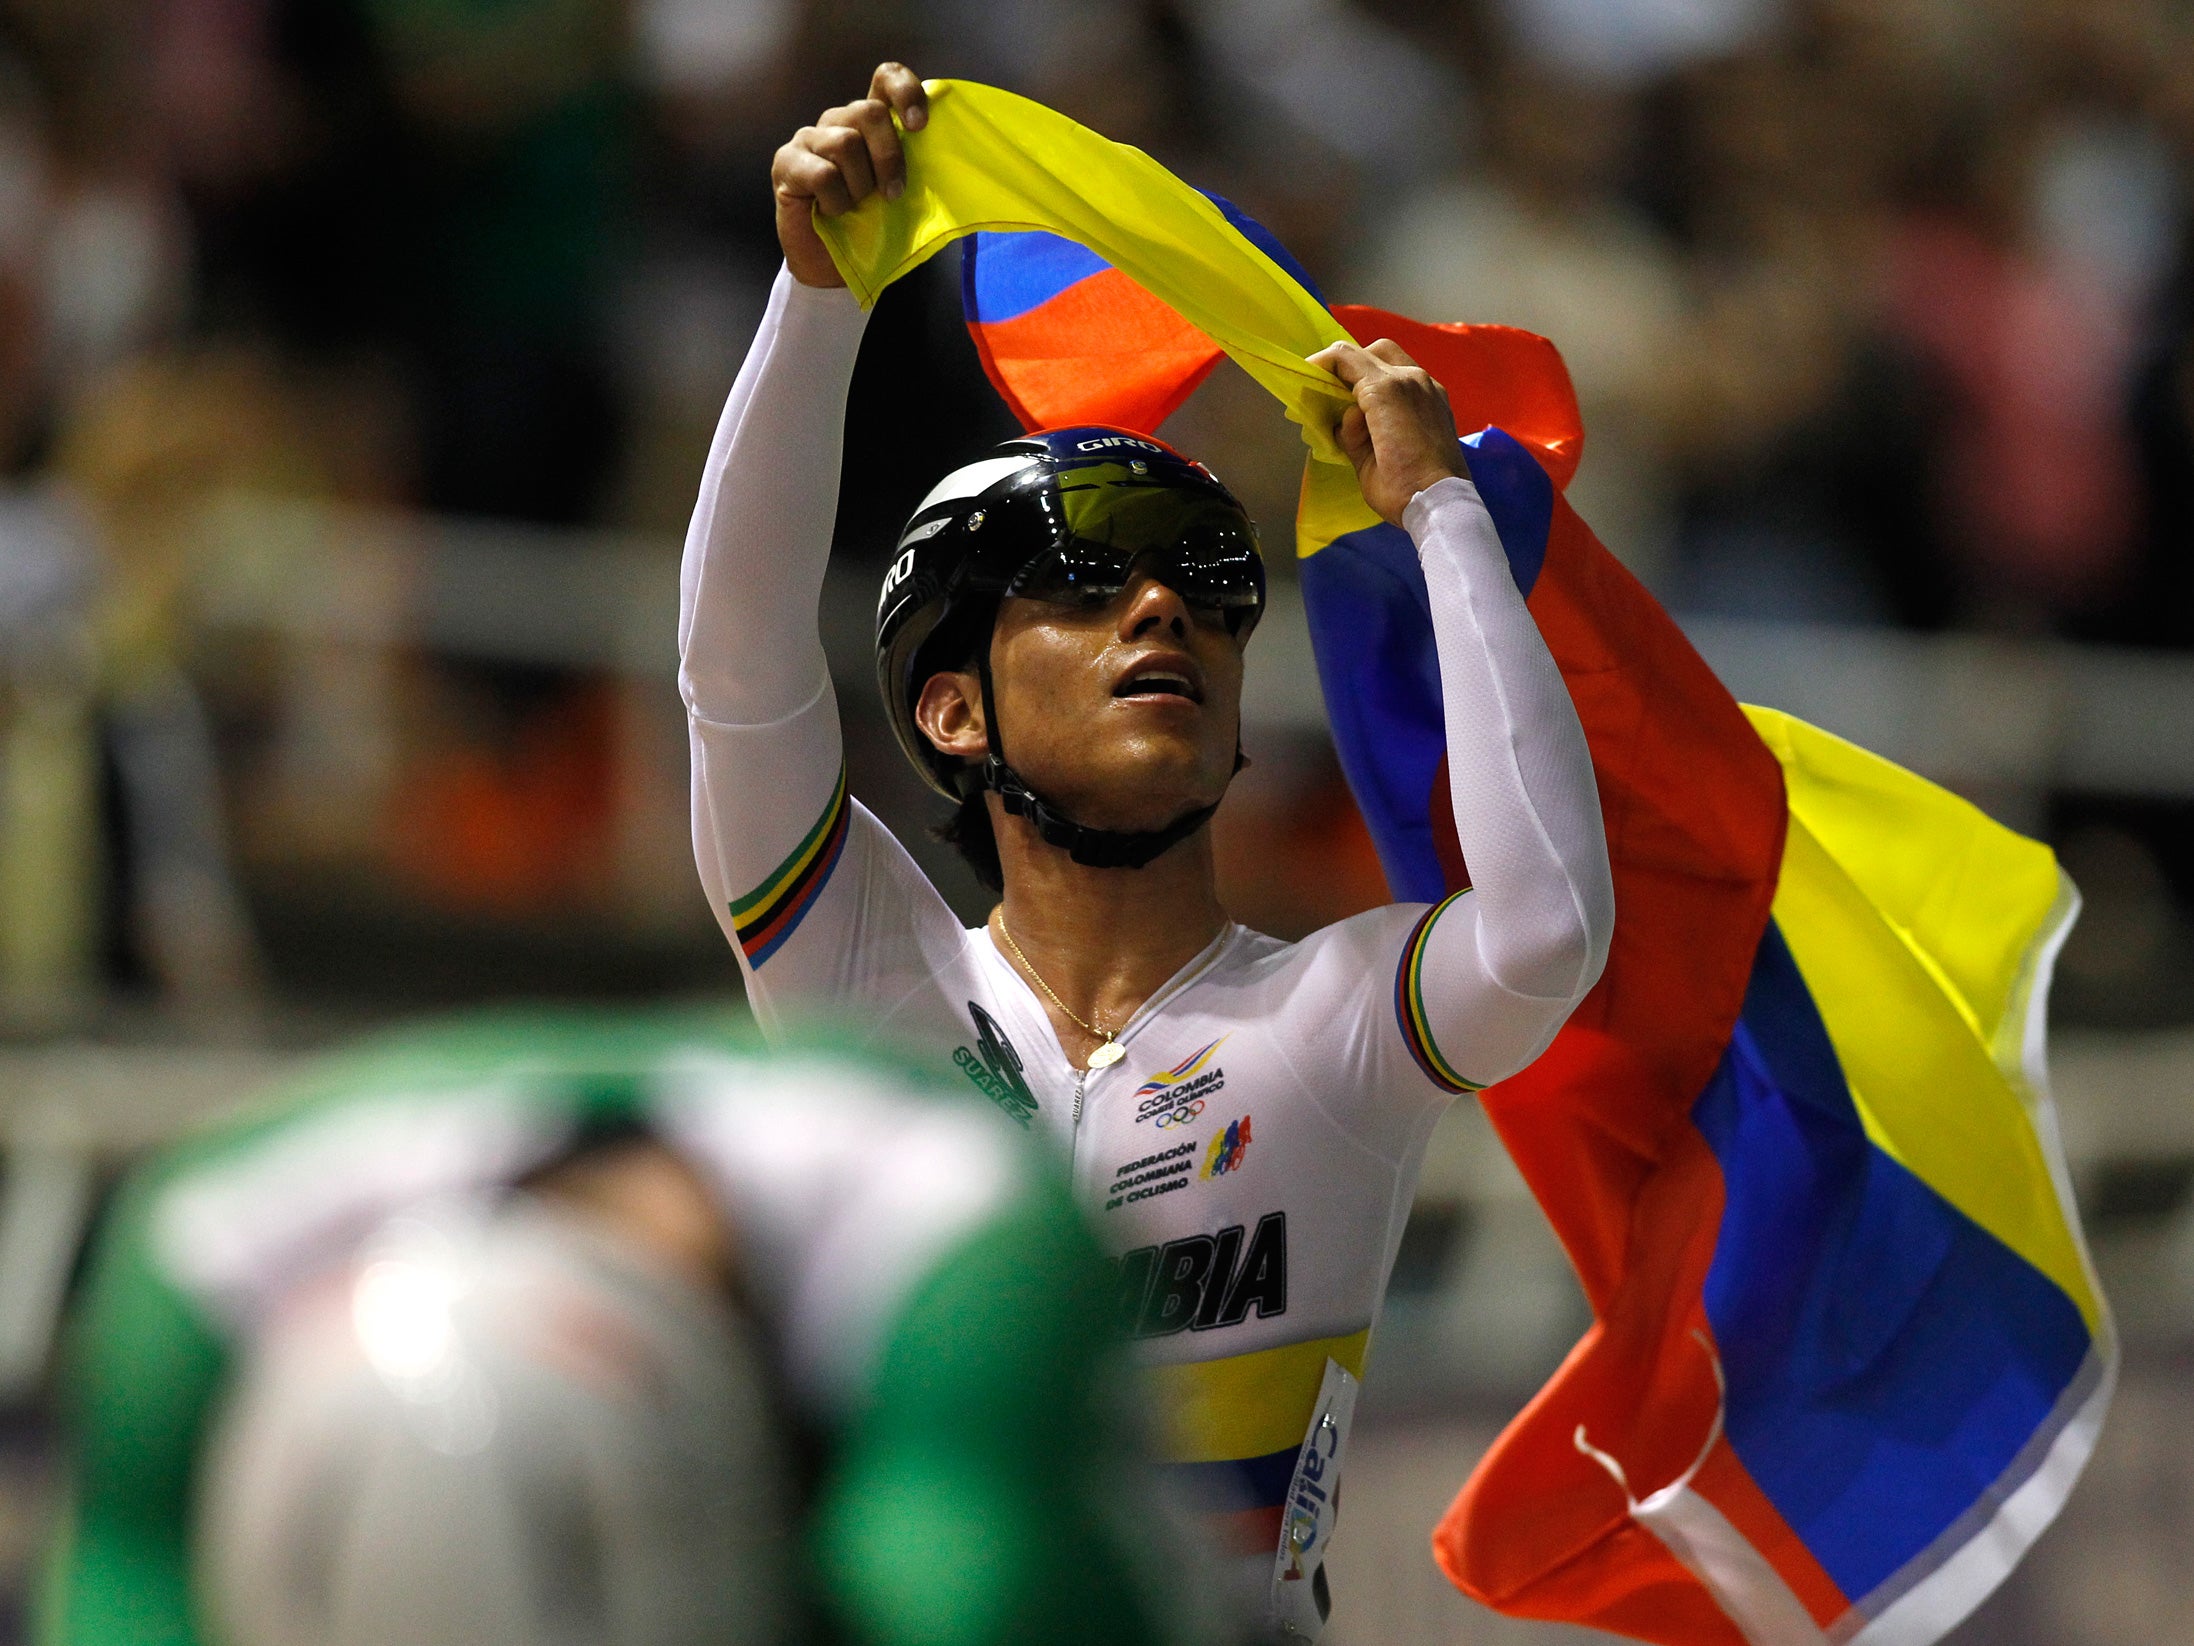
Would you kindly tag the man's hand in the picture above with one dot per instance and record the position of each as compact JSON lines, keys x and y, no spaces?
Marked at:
{"x":835,"y":164}
{"x":1400,"y":433}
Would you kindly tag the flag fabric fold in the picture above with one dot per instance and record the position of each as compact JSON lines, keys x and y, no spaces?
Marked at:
{"x":1848,"y":1353}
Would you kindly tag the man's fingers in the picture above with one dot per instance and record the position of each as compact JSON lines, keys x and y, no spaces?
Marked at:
{"x":886,"y":160}
{"x":1345,"y":361}
{"x":847,"y":149}
{"x":901,"y":88}
{"x":802,"y":173}
{"x":1354,"y":364}
{"x":1354,"y":435}
{"x":832,"y":166}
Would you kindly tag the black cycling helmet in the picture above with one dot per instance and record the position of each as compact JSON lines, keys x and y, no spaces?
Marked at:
{"x":1067,"y":515}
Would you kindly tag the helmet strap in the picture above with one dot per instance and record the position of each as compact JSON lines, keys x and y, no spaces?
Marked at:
{"x":1092,"y":848}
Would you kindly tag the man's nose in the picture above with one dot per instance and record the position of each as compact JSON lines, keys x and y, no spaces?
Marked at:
{"x":1152,"y":607}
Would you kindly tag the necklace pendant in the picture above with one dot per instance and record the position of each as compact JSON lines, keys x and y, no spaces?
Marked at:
{"x":1108,"y":1054}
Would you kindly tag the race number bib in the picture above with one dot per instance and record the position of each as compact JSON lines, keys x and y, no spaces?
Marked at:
{"x":1300,"y":1598}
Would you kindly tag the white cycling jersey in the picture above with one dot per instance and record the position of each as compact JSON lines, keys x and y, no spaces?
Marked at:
{"x":1252,"y":1159}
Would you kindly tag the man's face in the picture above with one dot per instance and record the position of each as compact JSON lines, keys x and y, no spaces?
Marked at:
{"x":1124,"y":714}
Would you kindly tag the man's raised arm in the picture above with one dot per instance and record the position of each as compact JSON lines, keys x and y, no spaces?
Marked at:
{"x":748,"y":648}
{"x":1489,"y":975}
{"x":791,"y":863}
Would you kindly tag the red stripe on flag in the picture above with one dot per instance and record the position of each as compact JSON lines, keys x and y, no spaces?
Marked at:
{"x":1600,"y":1126}
{"x":1102,"y":351}
{"x":1493,"y":375}
{"x":1245,"y":1531}
{"x":1726,"y":1483}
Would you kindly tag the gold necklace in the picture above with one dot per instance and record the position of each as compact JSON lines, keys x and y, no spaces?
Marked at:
{"x":1104,"y":1056}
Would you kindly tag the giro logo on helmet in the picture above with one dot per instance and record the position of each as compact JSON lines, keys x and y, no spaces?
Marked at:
{"x":903,"y":567}
{"x":1112,"y":442}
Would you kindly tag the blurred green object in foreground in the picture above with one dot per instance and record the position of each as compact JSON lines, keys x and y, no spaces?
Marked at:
{"x":939,"y":1314}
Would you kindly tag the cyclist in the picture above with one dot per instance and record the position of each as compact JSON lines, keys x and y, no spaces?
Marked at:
{"x":542,"y":1328}
{"x":1060,"y":640}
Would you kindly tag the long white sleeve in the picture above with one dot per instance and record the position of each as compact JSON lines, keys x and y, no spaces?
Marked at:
{"x":1504,"y":966}
{"x":749,"y":648}
{"x":827,"y":913}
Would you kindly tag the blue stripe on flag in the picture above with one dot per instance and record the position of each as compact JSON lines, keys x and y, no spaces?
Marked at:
{"x":1371,"y":630}
{"x":1004,"y":275}
{"x":1887,"y":1359}
{"x":1519,"y":497}
{"x":1263,"y":239}
{"x":1237,"y":1483}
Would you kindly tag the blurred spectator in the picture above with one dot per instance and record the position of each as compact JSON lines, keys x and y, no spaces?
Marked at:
{"x":1339,"y":74}
{"x":1795,"y":423}
{"x":2031,"y":347}
{"x":143,"y":454}
{"x":49,"y":776}
{"x":1538,"y":236}
{"x":2154,"y":603}
{"x":2022,"y":276}
{"x":507,"y":810}
{"x":518,"y":119}
{"x":1626,"y":41}
{"x":1878,"y":311}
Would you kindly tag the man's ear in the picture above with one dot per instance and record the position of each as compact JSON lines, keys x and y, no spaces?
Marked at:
{"x":950,"y":713}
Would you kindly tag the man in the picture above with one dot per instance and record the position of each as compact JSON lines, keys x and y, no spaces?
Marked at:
{"x":540,"y":1328}
{"x":1060,"y":642}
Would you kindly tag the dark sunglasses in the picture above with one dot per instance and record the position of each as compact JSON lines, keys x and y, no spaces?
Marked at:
{"x":1106,"y":536}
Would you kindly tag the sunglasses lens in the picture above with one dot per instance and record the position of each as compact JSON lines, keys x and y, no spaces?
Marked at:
{"x":1074,"y":576}
{"x":1201,"y":549}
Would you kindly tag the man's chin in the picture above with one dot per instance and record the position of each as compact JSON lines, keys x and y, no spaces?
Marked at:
{"x":1135,"y":800}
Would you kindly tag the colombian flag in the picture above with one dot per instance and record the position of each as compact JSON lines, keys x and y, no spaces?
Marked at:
{"x":1848,"y":1355}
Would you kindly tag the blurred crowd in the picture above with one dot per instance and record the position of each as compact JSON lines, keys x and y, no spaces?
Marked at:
{"x":1880,"y":311}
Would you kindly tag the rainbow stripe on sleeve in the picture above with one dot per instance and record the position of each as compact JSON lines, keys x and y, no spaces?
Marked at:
{"x":772,"y":912}
{"x":1409,"y":1005}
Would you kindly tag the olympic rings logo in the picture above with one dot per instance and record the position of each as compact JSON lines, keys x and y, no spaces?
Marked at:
{"x":1183,"y":1115}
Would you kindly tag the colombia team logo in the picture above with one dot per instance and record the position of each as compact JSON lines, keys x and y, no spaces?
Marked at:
{"x":1176,"y":1096}
{"x":1227,"y":1148}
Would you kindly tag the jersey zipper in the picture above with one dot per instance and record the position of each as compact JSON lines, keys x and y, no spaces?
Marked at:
{"x":1074,"y":1126}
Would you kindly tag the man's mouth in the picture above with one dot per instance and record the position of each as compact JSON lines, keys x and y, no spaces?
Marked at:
{"x":1159,"y":681}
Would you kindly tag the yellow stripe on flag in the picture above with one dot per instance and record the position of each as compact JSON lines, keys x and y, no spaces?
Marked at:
{"x":990,"y":160}
{"x":1331,"y":506}
{"x":1914,"y":918}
